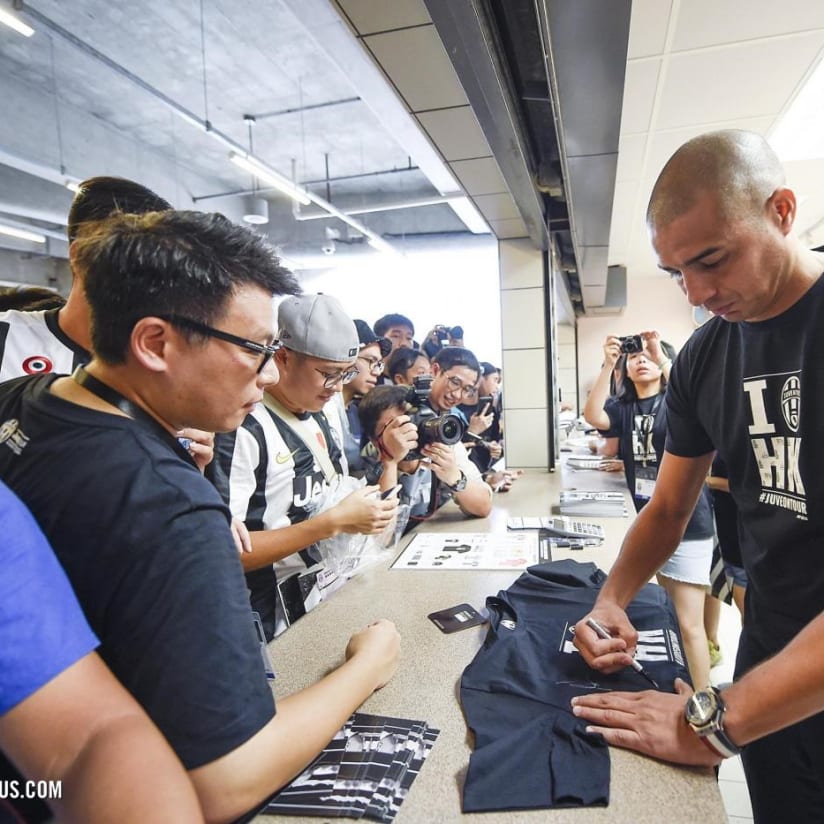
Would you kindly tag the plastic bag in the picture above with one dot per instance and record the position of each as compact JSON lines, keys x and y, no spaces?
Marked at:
{"x":346,"y":555}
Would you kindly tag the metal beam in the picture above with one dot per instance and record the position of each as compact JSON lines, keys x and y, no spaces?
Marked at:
{"x":468,"y":40}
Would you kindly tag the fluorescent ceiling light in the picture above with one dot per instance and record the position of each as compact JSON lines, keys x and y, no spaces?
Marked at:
{"x":15,"y":23}
{"x":270,"y":176}
{"x":799,"y":133}
{"x":21,"y":234}
{"x":471,"y":217}
{"x":379,"y":244}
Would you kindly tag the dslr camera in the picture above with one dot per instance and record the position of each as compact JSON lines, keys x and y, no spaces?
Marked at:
{"x":432,"y":428}
{"x":630,"y":344}
{"x":445,"y":332}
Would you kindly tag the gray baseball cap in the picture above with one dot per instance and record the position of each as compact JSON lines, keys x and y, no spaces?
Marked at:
{"x":317,"y":325}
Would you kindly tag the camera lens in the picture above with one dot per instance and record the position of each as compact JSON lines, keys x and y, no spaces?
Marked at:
{"x":451,"y":429}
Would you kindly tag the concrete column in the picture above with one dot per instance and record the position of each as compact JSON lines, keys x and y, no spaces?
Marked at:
{"x":526,"y":335}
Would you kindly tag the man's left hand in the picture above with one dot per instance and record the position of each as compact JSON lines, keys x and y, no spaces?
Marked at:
{"x":648,"y":722}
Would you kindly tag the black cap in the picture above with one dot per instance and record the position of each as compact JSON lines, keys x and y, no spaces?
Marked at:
{"x":366,"y":337}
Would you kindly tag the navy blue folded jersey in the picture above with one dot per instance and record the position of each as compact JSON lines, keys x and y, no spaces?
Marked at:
{"x":530,"y":751}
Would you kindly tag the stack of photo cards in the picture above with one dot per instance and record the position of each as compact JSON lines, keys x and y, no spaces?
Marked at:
{"x":365,"y":771}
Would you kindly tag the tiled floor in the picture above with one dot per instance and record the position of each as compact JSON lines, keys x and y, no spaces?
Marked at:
{"x":731,"y":780}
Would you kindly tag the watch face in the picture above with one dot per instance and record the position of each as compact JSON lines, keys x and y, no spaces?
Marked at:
{"x":701,"y":707}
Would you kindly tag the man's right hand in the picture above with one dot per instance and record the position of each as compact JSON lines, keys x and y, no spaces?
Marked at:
{"x":380,"y":642}
{"x":602,"y":654}
{"x":363,"y":511}
{"x":398,"y":438}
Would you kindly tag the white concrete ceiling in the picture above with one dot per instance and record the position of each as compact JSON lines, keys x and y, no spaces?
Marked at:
{"x":698,"y":65}
{"x":693,"y":65}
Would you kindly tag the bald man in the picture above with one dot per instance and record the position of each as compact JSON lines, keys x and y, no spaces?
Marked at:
{"x":749,"y":384}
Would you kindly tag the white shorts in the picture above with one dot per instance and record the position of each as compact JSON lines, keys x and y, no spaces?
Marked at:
{"x":690,"y":563}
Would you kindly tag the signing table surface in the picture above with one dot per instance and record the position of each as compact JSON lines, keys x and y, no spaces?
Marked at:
{"x":427,"y":682}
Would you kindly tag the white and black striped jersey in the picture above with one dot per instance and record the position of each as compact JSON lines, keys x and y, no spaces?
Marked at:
{"x":269,"y":478}
{"x":32,"y":343}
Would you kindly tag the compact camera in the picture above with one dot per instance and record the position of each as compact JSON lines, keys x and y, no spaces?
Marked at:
{"x":432,"y":428}
{"x":630,"y":344}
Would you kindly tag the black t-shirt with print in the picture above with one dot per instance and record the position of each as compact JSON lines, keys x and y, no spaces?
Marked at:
{"x":641,"y":429}
{"x":530,"y":751}
{"x":755,"y":392}
{"x":146,"y":545}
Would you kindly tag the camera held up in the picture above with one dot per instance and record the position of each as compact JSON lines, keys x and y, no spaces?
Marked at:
{"x":432,"y":428}
{"x":630,"y":344}
{"x":445,"y":332}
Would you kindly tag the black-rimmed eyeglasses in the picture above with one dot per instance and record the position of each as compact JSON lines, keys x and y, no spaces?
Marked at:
{"x":375,"y":366}
{"x":332,"y":379}
{"x":265,"y":350}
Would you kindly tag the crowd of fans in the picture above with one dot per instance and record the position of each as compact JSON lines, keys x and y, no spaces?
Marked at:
{"x":160,"y":424}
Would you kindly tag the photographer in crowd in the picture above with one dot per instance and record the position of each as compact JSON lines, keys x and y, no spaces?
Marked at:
{"x":455,"y":376}
{"x":440,"y":336}
{"x":431,"y":468}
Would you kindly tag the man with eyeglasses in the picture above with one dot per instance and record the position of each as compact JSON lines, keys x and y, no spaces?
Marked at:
{"x":182,"y":330}
{"x":370,"y":366}
{"x":455,"y":376}
{"x":275,"y":470}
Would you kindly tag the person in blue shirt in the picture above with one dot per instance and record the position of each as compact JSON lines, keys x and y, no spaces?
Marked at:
{"x":63,"y":716}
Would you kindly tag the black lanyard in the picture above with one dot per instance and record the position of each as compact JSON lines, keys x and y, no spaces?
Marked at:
{"x":111,"y":396}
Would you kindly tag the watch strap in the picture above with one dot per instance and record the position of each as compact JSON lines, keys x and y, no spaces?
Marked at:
{"x":719,"y":742}
{"x":459,"y":485}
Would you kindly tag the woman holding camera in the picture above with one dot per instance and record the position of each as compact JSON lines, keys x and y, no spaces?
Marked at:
{"x":633,"y":422}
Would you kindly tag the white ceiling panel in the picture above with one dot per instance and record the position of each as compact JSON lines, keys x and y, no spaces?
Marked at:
{"x":508,"y":229}
{"x":370,"y":16}
{"x":456,"y":133}
{"x":497,"y":207}
{"x":418,"y":65}
{"x":631,"y":148}
{"x":480,"y":176}
{"x":639,"y":94}
{"x":648,"y":27}
{"x":748,"y":80}
{"x":711,"y":22}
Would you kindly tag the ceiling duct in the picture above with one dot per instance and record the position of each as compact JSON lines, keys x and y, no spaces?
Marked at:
{"x":586,"y":46}
{"x":615,"y":293}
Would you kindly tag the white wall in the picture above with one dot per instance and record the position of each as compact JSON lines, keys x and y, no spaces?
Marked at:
{"x":654,"y":302}
{"x":455,"y":284}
